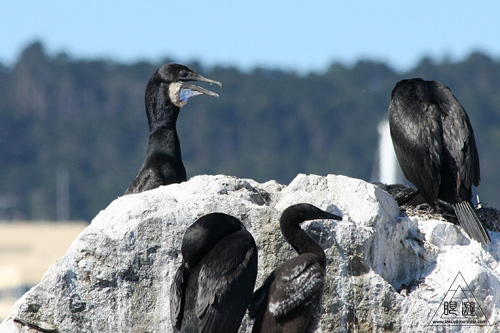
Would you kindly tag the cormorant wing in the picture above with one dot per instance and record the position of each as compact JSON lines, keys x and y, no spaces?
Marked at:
{"x":177,"y":290}
{"x":225,"y":283}
{"x":260,"y":297}
{"x":458,"y":138}
{"x":418,"y":144}
{"x":296,"y":282}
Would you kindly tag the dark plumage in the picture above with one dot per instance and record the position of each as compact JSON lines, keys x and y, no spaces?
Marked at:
{"x":435,"y":147}
{"x":213,"y":286}
{"x":167,"y":91}
{"x":404,"y":195}
{"x":290,"y":297}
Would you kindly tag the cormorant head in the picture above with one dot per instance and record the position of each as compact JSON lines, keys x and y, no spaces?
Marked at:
{"x":293,"y":216}
{"x":305,"y":212}
{"x":177,"y":78}
{"x":204,"y":233}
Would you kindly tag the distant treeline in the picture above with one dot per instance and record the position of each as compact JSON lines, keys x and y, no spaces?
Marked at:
{"x":85,"y":118}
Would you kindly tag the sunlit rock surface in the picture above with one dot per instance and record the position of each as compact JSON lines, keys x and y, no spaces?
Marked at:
{"x":386,"y":272}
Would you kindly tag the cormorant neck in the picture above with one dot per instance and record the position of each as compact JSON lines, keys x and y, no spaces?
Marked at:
{"x":160,"y":110}
{"x":164,"y":139}
{"x":298,"y":238}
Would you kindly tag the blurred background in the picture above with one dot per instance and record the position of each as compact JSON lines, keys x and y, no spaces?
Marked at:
{"x":306,"y":87}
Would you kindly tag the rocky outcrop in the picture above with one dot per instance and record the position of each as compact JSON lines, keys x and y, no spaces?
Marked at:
{"x":386,"y":271}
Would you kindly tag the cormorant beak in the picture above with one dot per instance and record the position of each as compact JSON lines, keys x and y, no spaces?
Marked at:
{"x":189,"y":90}
{"x":328,"y":216}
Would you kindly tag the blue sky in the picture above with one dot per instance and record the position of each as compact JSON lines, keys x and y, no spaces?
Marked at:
{"x":297,"y":35}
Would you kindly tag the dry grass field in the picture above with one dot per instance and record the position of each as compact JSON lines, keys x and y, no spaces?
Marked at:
{"x":27,"y":250}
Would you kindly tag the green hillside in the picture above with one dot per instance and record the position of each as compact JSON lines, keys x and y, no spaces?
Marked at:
{"x":86,"y":117}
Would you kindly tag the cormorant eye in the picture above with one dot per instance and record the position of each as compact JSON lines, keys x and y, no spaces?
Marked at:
{"x":183,"y":74}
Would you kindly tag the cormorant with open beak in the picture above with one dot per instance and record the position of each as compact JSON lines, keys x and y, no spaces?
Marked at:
{"x":168,"y":90}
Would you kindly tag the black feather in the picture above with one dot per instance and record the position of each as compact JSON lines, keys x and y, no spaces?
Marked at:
{"x":470,"y":222}
{"x":290,"y":298}
{"x":165,"y":95}
{"x":435,"y":146}
{"x":214,"y":293}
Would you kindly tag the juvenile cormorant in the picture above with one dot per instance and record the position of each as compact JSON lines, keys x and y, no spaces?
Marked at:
{"x":167,"y":91}
{"x":435,"y":147}
{"x":213,"y":286}
{"x":289,"y":300}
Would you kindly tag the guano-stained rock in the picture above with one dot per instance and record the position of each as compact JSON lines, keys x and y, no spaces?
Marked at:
{"x":386,"y":272}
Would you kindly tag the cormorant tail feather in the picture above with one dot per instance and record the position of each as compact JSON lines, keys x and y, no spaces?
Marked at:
{"x":468,"y":219}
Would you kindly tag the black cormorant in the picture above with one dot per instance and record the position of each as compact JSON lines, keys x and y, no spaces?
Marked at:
{"x":214,"y":284}
{"x":290,"y":297}
{"x":435,"y":147}
{"x":167,"y":91}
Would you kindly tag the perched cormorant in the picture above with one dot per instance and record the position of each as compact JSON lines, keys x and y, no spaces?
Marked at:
{"x":289,"y":300}
{"x":435,"y":147}
{"x":167,"y":91}
{"x":214,"y":284}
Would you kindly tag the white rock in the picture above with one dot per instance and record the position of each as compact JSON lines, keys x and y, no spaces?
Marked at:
{"x":385,"y":272}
